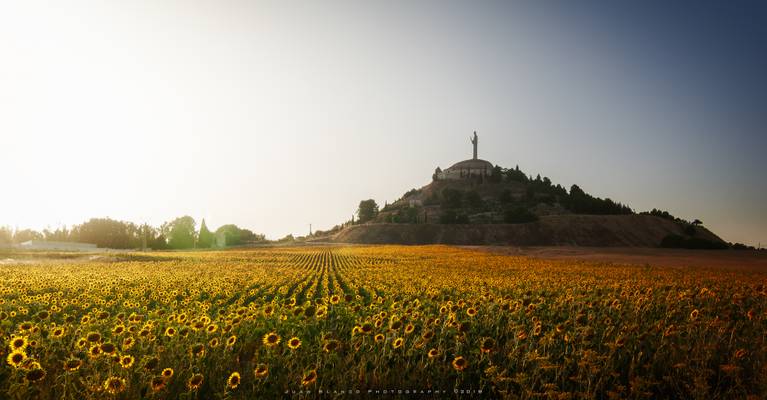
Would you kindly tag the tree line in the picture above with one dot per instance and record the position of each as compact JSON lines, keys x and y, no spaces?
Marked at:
{"x":179,"y":233}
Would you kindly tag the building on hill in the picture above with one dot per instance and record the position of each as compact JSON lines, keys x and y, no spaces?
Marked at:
{"x":467,"y":168}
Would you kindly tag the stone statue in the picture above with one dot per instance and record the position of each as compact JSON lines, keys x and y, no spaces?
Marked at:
{"x":474,"y":141}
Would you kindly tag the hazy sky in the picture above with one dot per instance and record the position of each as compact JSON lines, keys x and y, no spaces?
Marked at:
{"x":274,"y":115}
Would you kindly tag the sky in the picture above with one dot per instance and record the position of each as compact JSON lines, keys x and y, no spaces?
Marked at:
{"x":275,"y":115}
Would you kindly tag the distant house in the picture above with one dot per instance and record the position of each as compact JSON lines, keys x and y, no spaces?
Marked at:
{"x":63,"y":246}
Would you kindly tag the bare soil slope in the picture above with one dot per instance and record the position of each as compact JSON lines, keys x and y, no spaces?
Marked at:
{"x":554,"y":230}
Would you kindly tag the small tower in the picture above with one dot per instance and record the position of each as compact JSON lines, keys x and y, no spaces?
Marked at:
{"x":475,"y":141}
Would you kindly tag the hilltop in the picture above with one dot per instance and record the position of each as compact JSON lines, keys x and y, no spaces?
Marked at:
{"x":475,"y":202}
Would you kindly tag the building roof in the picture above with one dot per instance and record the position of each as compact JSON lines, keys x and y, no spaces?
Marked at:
{"x":471,"y":164}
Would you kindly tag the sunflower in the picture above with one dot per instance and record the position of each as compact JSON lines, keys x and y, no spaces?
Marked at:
{"x":409,"y":328}
{"x":522,"y":335}
{"x":268,"y":311}
{"x":321,"y":311}
{"x":82,"y":342}
{"x":114,"y":385}
{"x":366,"y":328}
{"x":231,"y":341}
{"x":58,"y":333}
{"x":94,"y":351}
{"x":194,"y":382}
{"x":740,"y":353}
{"x":397,"y":343}
{"x":271,"y":339}
{"x":379,"y":338}
{"x":330,"y":346}
{"x":460,"y":363}
{"x":212,"y":328}
{"x":157,"y":383}
{"x":294,"y":343}
{"x":118,"y":329}
{"x":108,"y":348}
{"x":19,"y":343}
{"x":73,"y":364}
{"x":151,"y":363}
{"x":170,"y":331}
{"x":167,"y":373}
{"x":213,"y":342}
{"x":93,"y":337}
{"x":433,"y":353}
{"x":335,"y":299}
{"x":198,"y":350}
{"x":487,"y":345}
{"x":694,"y":314}
{"x":261,"y":371}
{"x":16,"y":358}
{"x":128,"y":342}
{"x":309,"y":378}
{"x":126,"y":361}
{"x":35,"y":375}
{"x":471,"y":311}
{"x":233,"y":381}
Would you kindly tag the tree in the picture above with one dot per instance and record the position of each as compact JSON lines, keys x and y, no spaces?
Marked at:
{"x":6,"y":236}
{"x":107,"y":233}
{"x":474,"y":199}
{"x":505,"y":197}
{"x":367,"y":210}
{"x":205,"y":237}
{"x":451,"y":198}
{"x":519,"y":215}
{"x":26,"y":235}
{"x":180,"y":232}
{"x":497,"y":174}
{"x":697,"y":222}
{"x":231,"y":234}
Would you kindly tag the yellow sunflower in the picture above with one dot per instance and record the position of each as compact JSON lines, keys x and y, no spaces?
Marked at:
{"x":195,"y":382}
{"x":294,"y":343}
{"x":261,"y":371}
{"x":114,"y":385}
{"x":157,"y":383}
{"x":126,"y":361}
{"x":167,"y":373}
{"x":73,"y":364}
{"x":309,"y":378}
{"x":34,"y":375}
{"x":233,"y":381}
{"x":271,"y":339}
{"x":16,"y":358}
{"x":460,"y":363}
{"x":19,"y":343}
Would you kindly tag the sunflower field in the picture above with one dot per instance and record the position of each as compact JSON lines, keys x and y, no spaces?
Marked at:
{"x":377,"y":322}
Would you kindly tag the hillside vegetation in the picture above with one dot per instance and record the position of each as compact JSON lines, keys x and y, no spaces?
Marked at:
{"x":511,"y":207}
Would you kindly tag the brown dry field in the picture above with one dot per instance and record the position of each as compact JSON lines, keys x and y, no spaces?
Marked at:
{"x":727,"y":259}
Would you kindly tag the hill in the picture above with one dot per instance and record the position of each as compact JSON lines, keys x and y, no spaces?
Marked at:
{"x":551,"y":230}
{"x":507,"y":206}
